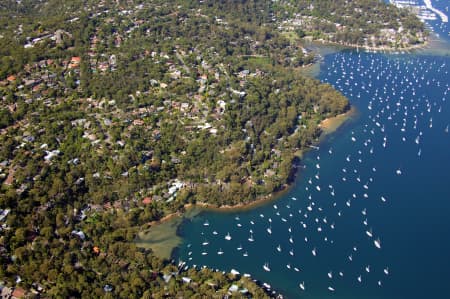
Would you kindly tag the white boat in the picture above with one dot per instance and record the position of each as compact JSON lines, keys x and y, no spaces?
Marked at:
{"x":331,"y":289}
{"x":377,"y":243}
{"x":330,"y":275}
{"x":369,"y":233}
{"x":245,"y":254}
{"x":204,"y":253}
{"x":220,"y":252}
{"x":215,"y":233}
{"x":239,"y":248}
{"x":359,"y":278}
{"x":288,"y":266}
{"x":302,"y":285}
{"x":386,"y":271}
{"x":279,"y":248}
{"x":266,"y":267}
{"x":296,"y":269}
{"x":291,"y":240}
{"x":228,"y":237}
{"x":314,"y":251}
{"x":269,"y":230}
{"x":250,"y":239}
{"x":291,"y":252}
{"x":205,"y":243}
{"x":206,"y":223}
{"x":398,"y":172}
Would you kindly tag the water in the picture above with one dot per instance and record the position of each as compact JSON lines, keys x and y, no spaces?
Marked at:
{"x":388,"y":170}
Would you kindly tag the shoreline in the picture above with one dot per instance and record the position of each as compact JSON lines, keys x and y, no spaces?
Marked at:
{"x":331,"y":124}
{"x":424,"y":45}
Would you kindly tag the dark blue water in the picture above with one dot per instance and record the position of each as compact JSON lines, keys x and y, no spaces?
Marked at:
{"x":383,"y":175}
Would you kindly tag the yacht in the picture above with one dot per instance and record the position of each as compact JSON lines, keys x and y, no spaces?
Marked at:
{"x":331,"y":289}
{"x":228,"y":237}
{"x":269,"y":230}
{"x":302,"y":285}
{"x":266,"y":267}
{"x":314,"y":251}
{"x":279,"y":248}
{"x":206,"y":223}
{"x":220,"y":252}
{"x":239,"y":248}
{"x":250,"y":239}
{"x":377,"y":243}
{"x":369,"y":232}
{"x":245,"y":254}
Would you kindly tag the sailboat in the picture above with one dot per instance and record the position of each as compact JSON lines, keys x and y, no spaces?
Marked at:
{"x":228,"y":237}
{"x":302,"y":285}
{"x":250,"y":239}
{"x":377,"y":243}
{"x":220,"y":252}
{"x":266,"y":267}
